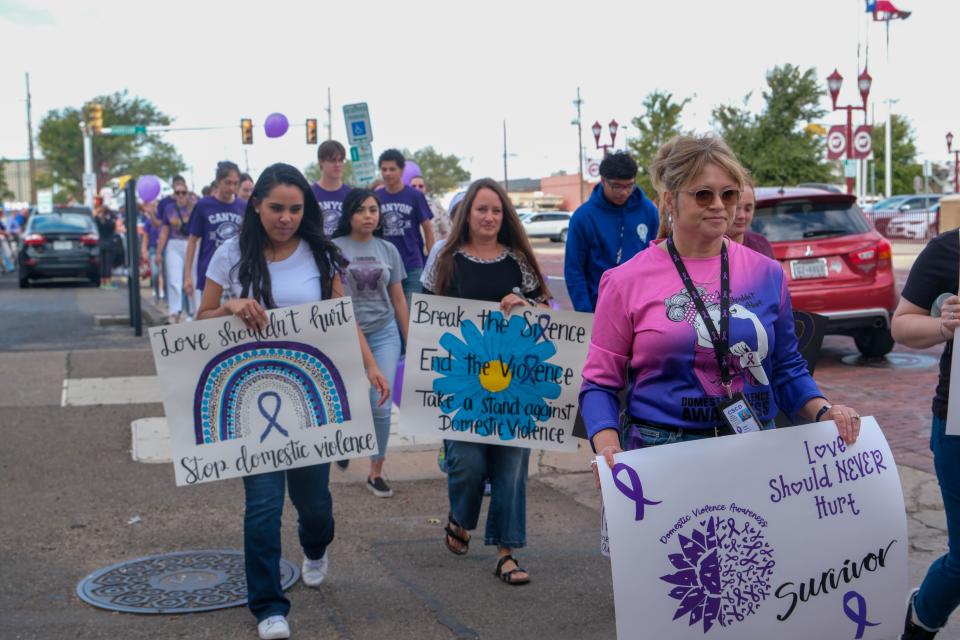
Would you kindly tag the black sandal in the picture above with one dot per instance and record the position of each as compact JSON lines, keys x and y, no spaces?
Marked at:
{"x":459,"y":551}
{"x":507,"y":576}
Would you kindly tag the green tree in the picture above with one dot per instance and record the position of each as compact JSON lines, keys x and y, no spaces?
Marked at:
{"x":774,"y":144}
{"x":313,"y":172}
{"x":62,"y":143}
{"x":904,"y":156}
{"x":5,"y":193}
{"x":442,"y":173}
{"x":660,"y":122}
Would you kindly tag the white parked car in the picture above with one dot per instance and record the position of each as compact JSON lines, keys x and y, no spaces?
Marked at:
{"x":546,"y":224}
{"x":917,"y":225}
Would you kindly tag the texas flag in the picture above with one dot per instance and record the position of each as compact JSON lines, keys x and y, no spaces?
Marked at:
{"x":884,"y":10}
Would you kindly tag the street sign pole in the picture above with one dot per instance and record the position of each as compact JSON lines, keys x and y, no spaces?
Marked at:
{"x":359,"y":136}
{"x":133,"y":257}
{"x":89,"y":191}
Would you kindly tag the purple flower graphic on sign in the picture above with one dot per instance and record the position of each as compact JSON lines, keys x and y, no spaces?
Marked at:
{"x":723,"y":572}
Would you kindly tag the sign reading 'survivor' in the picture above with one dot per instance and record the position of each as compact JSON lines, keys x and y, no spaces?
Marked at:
{"x":473,"y":373}
{"x":241,"y":402}
{"x":774,"y":534}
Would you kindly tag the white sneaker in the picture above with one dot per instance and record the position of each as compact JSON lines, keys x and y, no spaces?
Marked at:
{"x":273,"y":628}
{"x":313,"y":572}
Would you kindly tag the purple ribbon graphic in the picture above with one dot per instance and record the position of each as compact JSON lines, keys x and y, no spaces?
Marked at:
{"x":860,"y":615}
{"x":634,"y":490}
{"x":271,"y":419}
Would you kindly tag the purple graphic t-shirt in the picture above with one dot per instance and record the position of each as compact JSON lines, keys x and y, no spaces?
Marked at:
{"x":647,"y":333}
{"x":331,"y":204}
{"x":214,"y":222}
{"x":179,"y":230}
{"x":403,"y":212}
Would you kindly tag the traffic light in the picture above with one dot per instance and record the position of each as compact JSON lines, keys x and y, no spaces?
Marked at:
{"x":311,"y":131}
{"x":246,"y":130}
{"x":93,"y":114}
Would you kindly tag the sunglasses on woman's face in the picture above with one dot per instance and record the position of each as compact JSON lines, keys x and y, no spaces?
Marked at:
{"x":706,"y":197}
{"x":179,"y":193}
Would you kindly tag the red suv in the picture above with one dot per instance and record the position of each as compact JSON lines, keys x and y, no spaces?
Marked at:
{"x":836,"y":263}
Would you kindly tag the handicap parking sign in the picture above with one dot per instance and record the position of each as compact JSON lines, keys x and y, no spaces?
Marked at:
{"x":359,"y":128}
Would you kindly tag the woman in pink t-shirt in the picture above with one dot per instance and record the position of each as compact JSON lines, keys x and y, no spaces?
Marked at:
{"x":696,"y":320}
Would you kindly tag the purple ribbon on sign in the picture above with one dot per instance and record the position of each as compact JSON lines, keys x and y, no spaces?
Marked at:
{"x":634,"y":490}
{"x":860,"y":615}
{"x":271,"y":419}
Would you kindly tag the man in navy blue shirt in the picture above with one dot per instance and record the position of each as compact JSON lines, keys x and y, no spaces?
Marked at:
{"x":613,"y":225}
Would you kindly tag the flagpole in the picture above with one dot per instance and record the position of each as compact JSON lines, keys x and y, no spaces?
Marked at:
{"x":888,"y":135}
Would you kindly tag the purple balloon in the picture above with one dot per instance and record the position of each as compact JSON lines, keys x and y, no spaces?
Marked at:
{"x":410,"y":171}
{"x":148,"y":188}
{"x":275,"y":125}
{"x":398,"y":384}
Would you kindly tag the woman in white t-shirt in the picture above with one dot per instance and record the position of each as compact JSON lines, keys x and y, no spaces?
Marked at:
{"x":374,"y":281}
{"x":281,"y":258}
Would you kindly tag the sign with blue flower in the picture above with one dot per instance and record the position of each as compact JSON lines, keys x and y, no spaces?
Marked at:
{"x":784,"y":534}
{"x":241,"y":402}
{"x":473,"y":373}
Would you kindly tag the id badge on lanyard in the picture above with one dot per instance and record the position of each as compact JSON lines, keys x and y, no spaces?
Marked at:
{"x":738,"y":414}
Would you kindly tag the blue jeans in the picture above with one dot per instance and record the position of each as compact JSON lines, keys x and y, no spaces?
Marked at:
{"x":468,"y":465}
{"x":641,"y":436}
{"x":940,"y":592}
{"x":411,"y":284}
{"x":385,"y":345}
{"x":261,"y":530}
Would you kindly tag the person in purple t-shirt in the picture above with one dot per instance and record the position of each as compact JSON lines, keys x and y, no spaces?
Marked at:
{"x":404,"y":209}
{"x":329,"y":189}
{"x":739,"y":230}
{"x":151,"y":233}
{"x":215,"y":219}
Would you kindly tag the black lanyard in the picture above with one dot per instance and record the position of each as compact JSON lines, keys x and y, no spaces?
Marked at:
{"x":721,"y":338}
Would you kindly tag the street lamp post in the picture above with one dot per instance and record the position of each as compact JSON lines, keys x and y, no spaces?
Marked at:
{"x":598,"y":130}
{"x":834,"y":81}
{"x":956,"y":162}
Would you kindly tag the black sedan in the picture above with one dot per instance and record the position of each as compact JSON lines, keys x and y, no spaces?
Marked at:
{"x":59,"y":245}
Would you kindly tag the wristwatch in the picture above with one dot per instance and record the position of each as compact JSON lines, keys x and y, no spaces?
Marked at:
{"x":822,"y":411}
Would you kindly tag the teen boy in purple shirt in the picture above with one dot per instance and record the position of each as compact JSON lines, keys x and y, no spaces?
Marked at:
{"x":215,"y":219}
{"x":405,"y":214}
{"x":329,"y":189}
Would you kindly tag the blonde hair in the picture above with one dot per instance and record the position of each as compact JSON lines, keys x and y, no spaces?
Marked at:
{"x":678,"y":163}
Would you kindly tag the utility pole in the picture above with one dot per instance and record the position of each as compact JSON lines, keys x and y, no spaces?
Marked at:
{"x":506,"y":183}
{"x":329,"y":117}
{"x":33,"y":161}
{"x":579,"y":102}
{"x":888,"y":134}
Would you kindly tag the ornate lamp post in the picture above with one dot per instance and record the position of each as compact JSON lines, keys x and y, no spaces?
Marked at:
{"x":598,"y":129}
{"x":834,"y":82}
{"x":956,"y":162}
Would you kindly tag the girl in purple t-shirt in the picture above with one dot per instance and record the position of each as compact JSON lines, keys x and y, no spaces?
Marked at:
{"x":215,"y":219}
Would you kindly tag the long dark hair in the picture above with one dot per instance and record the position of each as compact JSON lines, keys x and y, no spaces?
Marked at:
{"x":253,"y":274}
{"x":511,"y":235}
{"x":352,"y":204}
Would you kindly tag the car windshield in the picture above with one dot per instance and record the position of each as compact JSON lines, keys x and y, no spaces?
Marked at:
{"x":805,"y":219}
{"x":890,"y":203}
{"x":61,"y":223}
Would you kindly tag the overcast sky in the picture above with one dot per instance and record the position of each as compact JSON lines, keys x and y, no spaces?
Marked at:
{"x":447,"y":73}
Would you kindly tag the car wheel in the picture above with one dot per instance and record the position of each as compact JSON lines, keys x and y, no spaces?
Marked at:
{"x":874,"y":343}
{"x":563,"y":236}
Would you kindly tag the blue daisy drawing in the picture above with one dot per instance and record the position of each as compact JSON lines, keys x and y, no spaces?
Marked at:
{"x":497,"y":381}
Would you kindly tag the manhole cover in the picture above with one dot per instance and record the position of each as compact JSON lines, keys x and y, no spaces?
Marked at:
{"x":892,"y":361}
{"x":185,"y":582}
